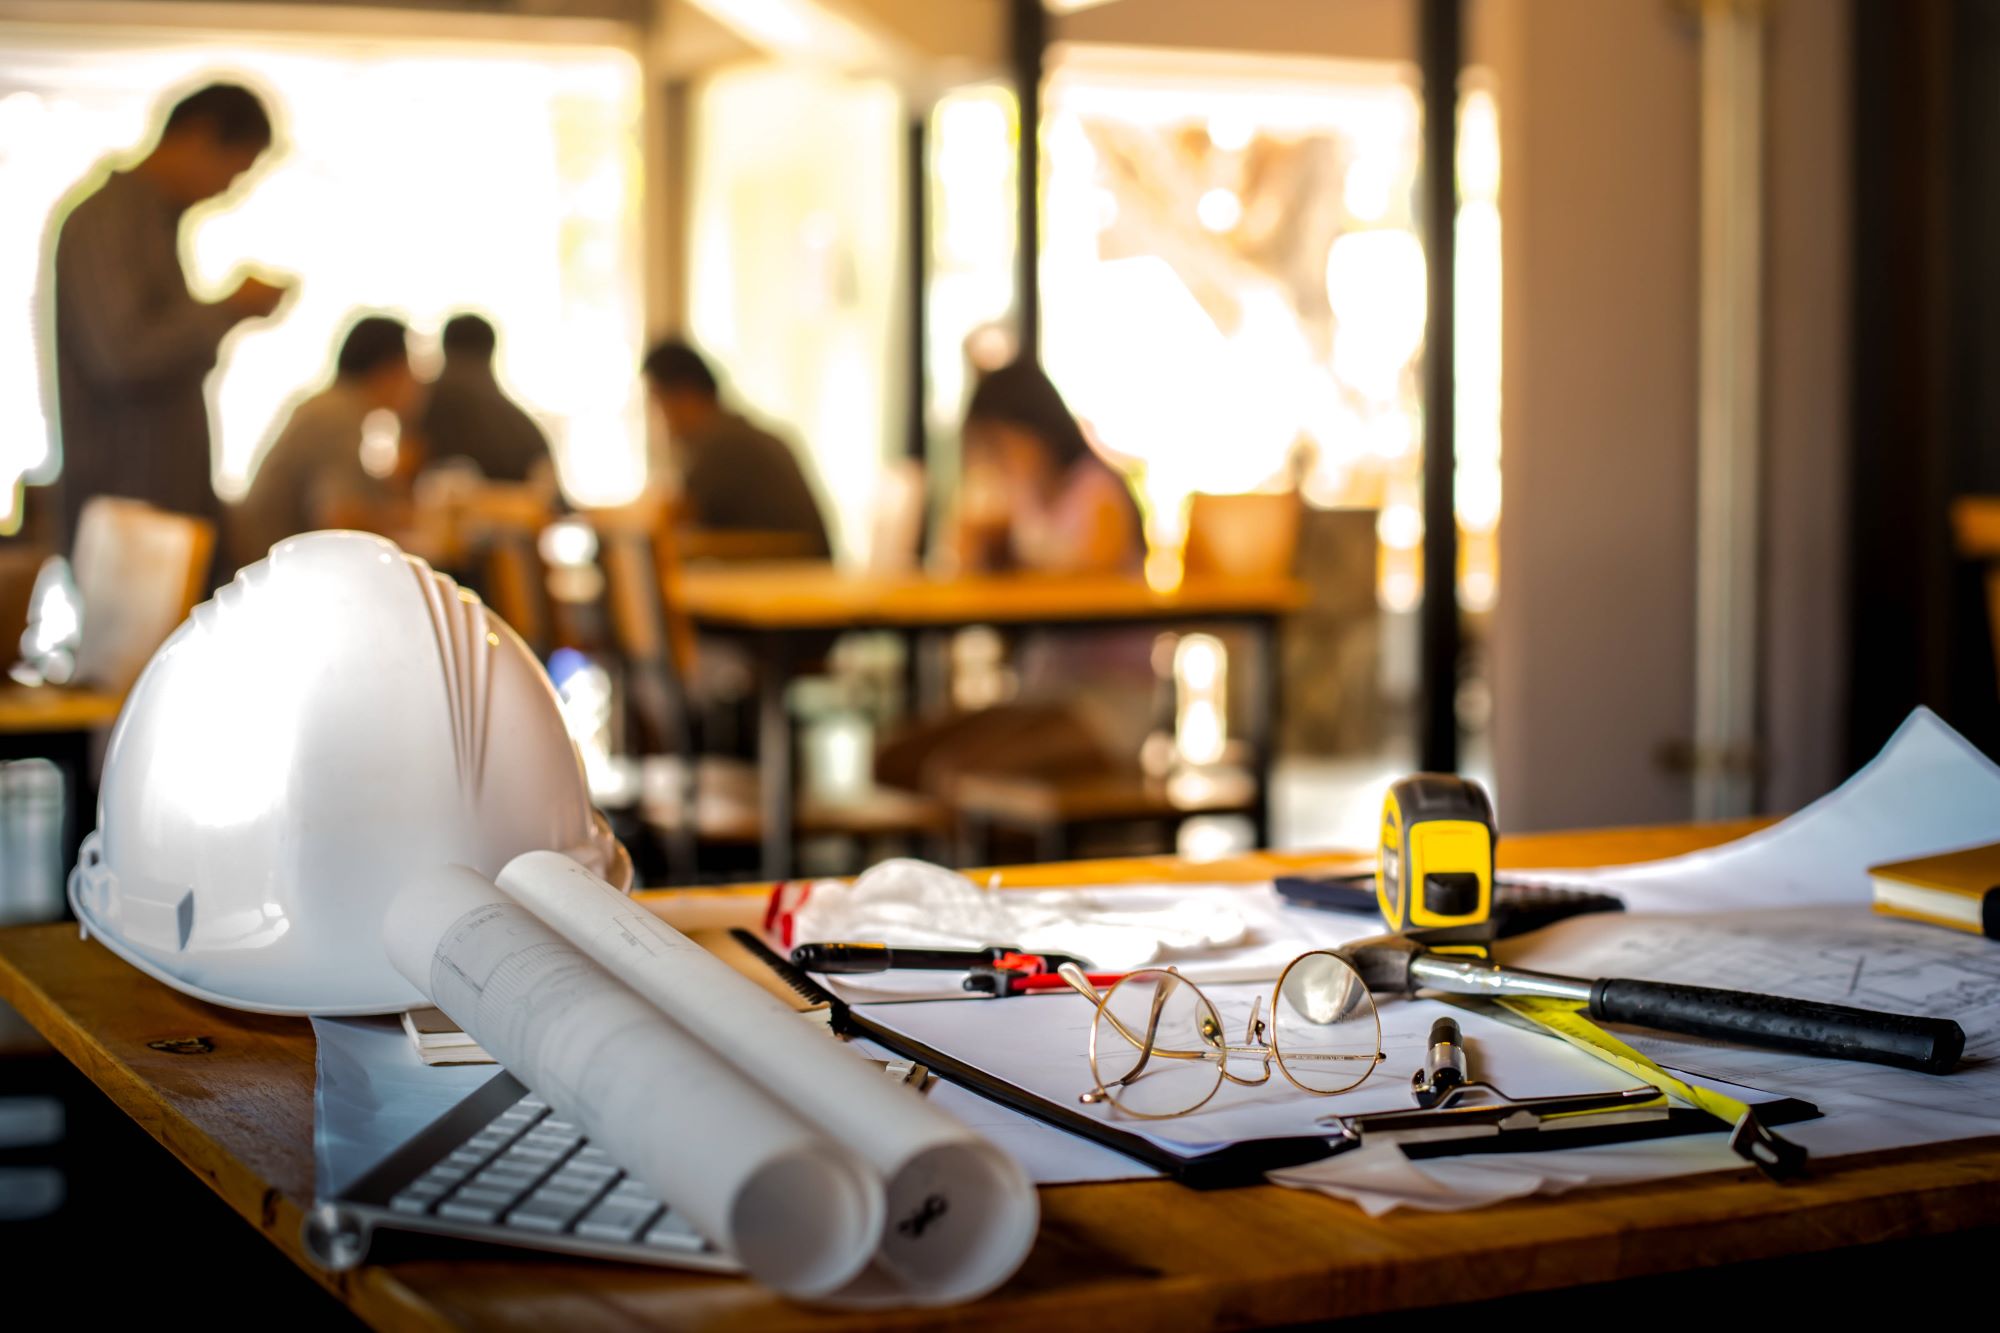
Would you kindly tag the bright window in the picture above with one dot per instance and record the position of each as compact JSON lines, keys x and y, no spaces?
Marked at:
{"x":416,"y":177}
{"x":1233,"y":286}
{"x":795,"y":267}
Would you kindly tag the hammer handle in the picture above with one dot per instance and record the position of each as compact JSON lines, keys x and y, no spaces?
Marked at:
{"x":1932,"y":1045}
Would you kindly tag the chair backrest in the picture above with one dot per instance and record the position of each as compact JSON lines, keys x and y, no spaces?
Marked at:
{"x":640,"y":556}
{"x":635,"y":549}
{"x":501,"y":523}
{"x":896,"y":519}
{"x":139,"y":571}
{"x":1241,"y":536}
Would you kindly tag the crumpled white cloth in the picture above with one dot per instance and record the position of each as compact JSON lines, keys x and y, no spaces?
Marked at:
{"x":1378,"y":1178}
{"x":915,"y":903}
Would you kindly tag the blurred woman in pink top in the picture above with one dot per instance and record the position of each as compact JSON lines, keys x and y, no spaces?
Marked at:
{"x":1035,"y":497}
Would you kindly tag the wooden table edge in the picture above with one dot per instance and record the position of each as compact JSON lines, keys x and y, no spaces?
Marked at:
{"x":371,"y":1291}
{"x":32,"y":711}
{"x":1849,"y":1200}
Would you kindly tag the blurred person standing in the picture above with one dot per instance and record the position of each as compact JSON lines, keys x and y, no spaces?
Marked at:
{"x":468,"y":415}
{"x":734,"y":475}
{"x":131,"y":345}
{"x":312,"y":476}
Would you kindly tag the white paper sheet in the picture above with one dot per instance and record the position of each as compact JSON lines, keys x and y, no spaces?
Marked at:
{"x":1929,"y":790}
{"x":799,"y":1211}
{"x":960,"y":1214}
{"x":1844,"y":955}
{"x":1041,"y":1043}
{"x":1049,"y":1156}
{"x":1381,"y":1179}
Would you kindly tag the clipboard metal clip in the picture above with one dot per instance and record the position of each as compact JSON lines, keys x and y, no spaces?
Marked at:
{"x":1465,"y":1112}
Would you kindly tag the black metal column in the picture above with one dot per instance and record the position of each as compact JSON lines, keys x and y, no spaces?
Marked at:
{"x":1440,"y":41}
{"x":1029,"y":32}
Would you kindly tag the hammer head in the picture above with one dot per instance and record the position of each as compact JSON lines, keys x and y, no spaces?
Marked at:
{"x":1383,"y":962}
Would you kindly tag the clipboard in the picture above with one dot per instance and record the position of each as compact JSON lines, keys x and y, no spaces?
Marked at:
{"x":1247,"y":1161}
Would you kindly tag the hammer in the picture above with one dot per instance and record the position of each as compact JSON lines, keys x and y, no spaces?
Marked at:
{"x":1403,"y":965}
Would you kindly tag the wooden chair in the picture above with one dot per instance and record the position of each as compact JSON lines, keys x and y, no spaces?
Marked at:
{"x":690,"y":798}
{"x":1241,"y":536}
{"x":500,"y":524}
{"x":139,"y":571}
{"x":1228,"y":536}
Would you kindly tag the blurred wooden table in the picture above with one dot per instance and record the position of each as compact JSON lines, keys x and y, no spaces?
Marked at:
{"x":1144,"y":1254}
{"x":774,"y":606}
{"x":55,"y":723}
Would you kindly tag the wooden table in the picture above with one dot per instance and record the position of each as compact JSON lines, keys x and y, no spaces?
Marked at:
{"x":1139,"y":1255}
{"x":773,"y":606}
{"x":55,"y":723}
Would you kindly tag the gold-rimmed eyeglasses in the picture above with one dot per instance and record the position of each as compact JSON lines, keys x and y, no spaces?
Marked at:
{"x":1158,"y":1049}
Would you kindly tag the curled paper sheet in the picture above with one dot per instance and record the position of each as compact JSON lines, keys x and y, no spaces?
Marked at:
{"x":961,"y":1215}
{"x":800,"y":1212}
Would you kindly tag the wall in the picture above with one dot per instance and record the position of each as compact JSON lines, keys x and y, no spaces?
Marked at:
{"x":1594,"y":632}
{"x":1805,"y":678}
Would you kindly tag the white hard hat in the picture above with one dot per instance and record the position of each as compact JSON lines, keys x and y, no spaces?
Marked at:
{"x":334,"y":724}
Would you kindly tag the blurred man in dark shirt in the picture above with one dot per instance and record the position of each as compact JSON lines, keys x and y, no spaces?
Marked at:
{"x":312,"y":476}
{"x":468,"y":414}
{"x":733,"y":474}
{"x":132,"y":346}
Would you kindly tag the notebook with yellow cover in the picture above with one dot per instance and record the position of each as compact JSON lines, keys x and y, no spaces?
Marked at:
{"x":1957,"y":889}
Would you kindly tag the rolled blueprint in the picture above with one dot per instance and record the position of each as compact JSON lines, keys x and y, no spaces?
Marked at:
{"x":961,"y":1213}
{"x":800,"y":1212}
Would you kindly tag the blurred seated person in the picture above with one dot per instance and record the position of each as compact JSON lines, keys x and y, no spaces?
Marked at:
{"x":312,"y":476}
{"x":733,"y":474}
{"x":1037,"y":499}
{"x":1035,"y":496}
{"x":468,"y":415}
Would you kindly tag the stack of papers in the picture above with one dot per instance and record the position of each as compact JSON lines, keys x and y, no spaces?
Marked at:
{"x":439,"y":1041}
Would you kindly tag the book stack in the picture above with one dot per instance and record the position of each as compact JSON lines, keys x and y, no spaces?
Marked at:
{"x":439,"y":1041}
{"x":1957,"y":889}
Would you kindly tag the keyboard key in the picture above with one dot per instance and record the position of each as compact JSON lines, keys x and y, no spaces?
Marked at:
{"x":615,"y":1221}
{"x":545,"y":1224}
{"x":672,"y":1232}
{"x":444,"y":1176}
{"x":546,"y":1214}
{"x":523,"y":1151}
{"x":481,"y":1194}
{"x":409,"y":1202}
{"x":514,"y":1182}
{"x":556,"y":1126}
{"x":465,"y":1157}
{"x":532,"y":1103}
{"x":462,"y":1210}
{"x":629,"y":1190}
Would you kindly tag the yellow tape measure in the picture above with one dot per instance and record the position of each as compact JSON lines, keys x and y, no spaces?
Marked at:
{"x":1751,"y":1138}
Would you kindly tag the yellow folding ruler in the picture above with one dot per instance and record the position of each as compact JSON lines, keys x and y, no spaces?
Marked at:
{"x":1750,"y":1137}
